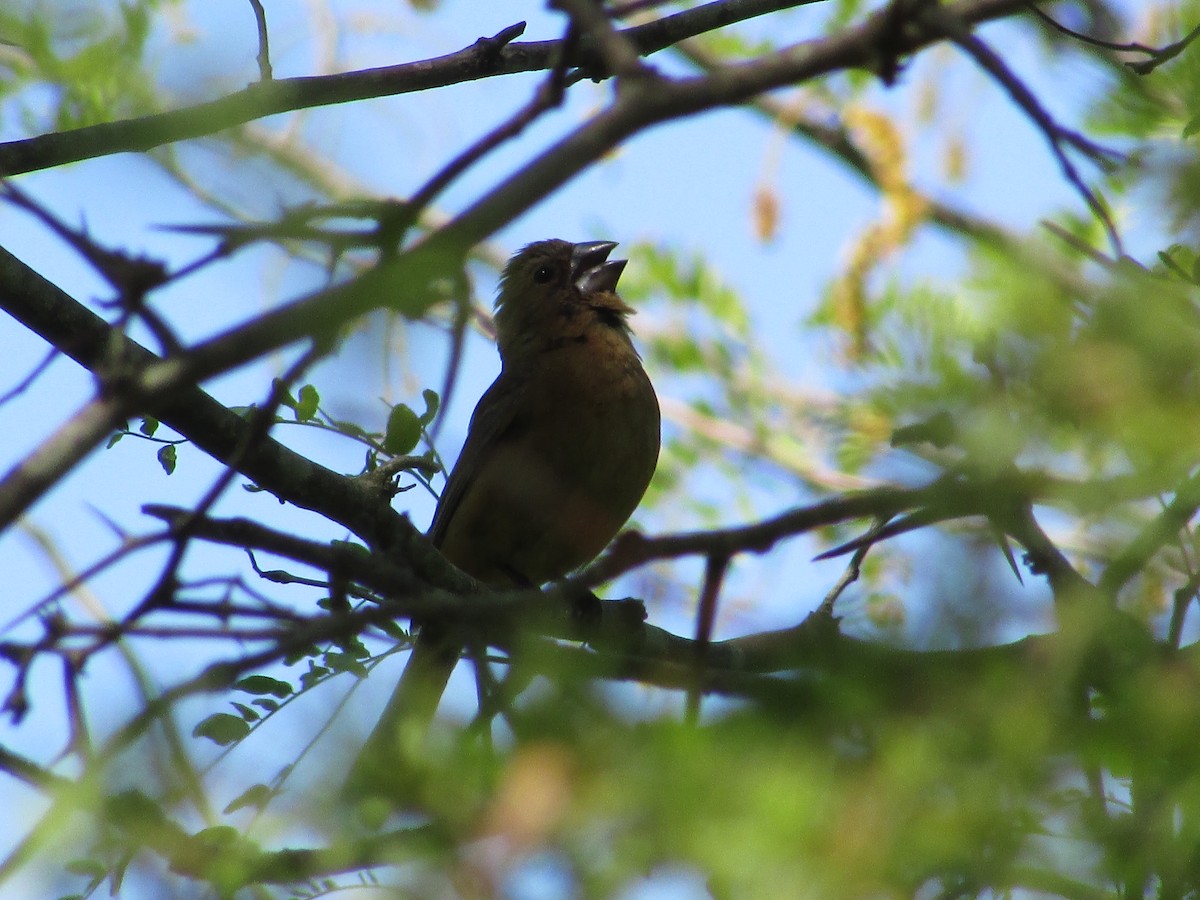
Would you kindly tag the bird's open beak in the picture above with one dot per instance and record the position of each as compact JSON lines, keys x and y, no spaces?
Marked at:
{"x":589,"y":269}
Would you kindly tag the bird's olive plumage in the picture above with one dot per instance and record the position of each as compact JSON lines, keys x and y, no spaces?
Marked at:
{"x":559,"y":451}
{"x":563,"y":444}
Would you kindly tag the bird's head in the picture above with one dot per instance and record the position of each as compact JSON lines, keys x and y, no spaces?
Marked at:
{"x":549,"y":284}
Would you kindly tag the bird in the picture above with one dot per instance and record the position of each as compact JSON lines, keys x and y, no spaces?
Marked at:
{"x":559,"y":452}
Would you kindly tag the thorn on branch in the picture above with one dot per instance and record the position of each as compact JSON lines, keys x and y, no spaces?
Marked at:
{"x":921,"y":518}
{"x":264,"y":49}
{"x":489,"y":47}
{"x":16,"y":704}
{"x":131,"y":277}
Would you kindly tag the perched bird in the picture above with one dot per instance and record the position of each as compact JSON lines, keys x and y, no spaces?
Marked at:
{"x":559,"y":452}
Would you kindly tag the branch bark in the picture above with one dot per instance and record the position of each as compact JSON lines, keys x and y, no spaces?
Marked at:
{"x":487,"y":57}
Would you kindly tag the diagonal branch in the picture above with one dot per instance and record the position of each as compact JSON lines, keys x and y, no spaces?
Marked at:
{"x":401,"y":283}
{"x":1056,"y":135}
{"x":89,"y":340}
{"x":1133,"y":558}
{"x":487,"y":57}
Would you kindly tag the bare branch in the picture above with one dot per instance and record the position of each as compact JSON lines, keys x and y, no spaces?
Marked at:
{"x":487,"y":57}
{"x":715,"y":568}
{"x":264,"y":49}
{"x":401,"y":283}
{"x":48,"y":311}
{"x":1056,"y":135}
{"x":1158,"y":55}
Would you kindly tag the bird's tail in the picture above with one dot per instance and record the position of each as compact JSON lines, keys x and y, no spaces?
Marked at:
{"x":390,"y":763}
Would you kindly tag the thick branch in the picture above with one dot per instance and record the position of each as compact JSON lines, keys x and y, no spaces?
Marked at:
{"x":89,"y":340}
{"x":402,"y":283}
{"x":485,"y":58}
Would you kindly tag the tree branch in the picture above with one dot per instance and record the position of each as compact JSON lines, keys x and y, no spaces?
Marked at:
{"x":402,"y":282}
{"x":485,"y":58}
{"x":89,"y":340}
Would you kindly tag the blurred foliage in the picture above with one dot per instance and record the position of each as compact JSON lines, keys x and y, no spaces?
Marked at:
{"x":94,"y":58}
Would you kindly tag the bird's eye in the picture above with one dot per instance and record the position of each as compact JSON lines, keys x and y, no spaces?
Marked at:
{"x":543,"y":274}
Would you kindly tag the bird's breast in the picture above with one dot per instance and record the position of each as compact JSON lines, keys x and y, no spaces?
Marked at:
{"x":600,"y":418}
{"x":582,"y":449}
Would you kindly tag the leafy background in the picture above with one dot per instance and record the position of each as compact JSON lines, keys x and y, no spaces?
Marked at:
{"x":814,"y":271}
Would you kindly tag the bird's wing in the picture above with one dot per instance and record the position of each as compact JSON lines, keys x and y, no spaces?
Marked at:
{"x":494,"y":421}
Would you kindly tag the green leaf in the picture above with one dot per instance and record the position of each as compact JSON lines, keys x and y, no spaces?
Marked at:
{"x":352,"y":646}
{"x":285,"y":396}
{"x":306,"y":407}
{"x":312,"y":676}
{"x":166,"y":458}
{"x":432,"y":404}
{"x":222,"y":728}
{"x":296,"y":655}
{"x":403,"y":431}
{"x":332,"y":604}
{"x":345,"y":662}
{"x":113,"y":440}
{"x":132,"y":810}
{"x":149,"y":426}
{"x":257,"y":796}
{"x":1192,"y":126}
{"x":263,"y":684}
{"x":217,"y":838}
{"x":250,"y":715}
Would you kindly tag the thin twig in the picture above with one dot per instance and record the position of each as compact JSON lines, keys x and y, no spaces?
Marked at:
{"x":264,"y":50}
{"x":943,"y":18}
{"x":23,"y":385}
{"x":852,"y":571}
{"x":1075,"y":243}
{"x":131,"y":277}
{"x":1161,"y":529}
{"x":1165,"y":54}
{"x":1158,"y":55}
{"x":257,"y":429}
{"x":1184,"y":597}
{"x":715,"y":568}
{"x":48,"y":311}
